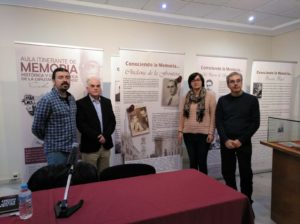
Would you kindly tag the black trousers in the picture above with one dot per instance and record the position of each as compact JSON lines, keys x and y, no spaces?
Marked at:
{"x":197,"y":149}
{"x":243,"y":156}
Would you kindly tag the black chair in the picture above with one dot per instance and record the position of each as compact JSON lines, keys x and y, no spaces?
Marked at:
{"x":84,"y":173}
{"x":53,"y":176}
{"x":126,"y":170}
{"x":47,"y":177}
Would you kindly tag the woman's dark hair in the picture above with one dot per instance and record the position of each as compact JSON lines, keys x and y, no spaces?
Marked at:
{"x":193,"y":76}
{"x":58,"y":70}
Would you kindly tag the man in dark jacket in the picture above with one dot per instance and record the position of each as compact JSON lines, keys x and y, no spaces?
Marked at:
{"x":96,"y":122}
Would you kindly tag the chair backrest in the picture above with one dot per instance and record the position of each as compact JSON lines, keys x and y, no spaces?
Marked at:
{"x":126,"y":170}
{"x":48,"y":177}
{"x":53,"y":176}
{"x":84,"y":173}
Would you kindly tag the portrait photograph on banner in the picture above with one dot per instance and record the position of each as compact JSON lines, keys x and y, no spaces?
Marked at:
{"x":138,"y":121}
{"x":170,"y":92}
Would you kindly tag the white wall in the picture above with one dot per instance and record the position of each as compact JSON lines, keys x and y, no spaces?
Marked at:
{"x":287,"y":47}
{"x":43,"y":26}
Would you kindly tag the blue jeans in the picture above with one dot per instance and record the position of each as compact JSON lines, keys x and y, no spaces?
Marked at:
{"x":197,"y":149}
{"x":55,"y":158}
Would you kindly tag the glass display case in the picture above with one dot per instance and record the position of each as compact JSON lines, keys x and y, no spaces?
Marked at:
{"x":284,"y":131}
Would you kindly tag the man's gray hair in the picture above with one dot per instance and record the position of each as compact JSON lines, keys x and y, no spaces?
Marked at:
{"x":92,"y":77}
{"x":232,"y":74}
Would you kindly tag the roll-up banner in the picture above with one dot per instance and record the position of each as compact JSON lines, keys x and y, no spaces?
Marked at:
{"x":272,"y":84}
{"x":35,"y":63}
{"x":149,"y":117}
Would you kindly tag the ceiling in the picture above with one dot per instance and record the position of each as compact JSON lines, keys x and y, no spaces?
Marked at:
{"x":273,"y":17}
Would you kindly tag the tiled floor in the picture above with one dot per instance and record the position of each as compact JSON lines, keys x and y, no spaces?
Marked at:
{"x":261,"y":196}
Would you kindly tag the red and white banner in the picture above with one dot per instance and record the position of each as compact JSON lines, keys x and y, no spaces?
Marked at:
{"x":116,"y":156}
{"x":35,"y":64}
{"x":272,"y":84}
{"x":149,"y":116}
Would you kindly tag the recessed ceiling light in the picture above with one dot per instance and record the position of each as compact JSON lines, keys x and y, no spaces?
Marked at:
{"x":164,"y":5}
{"x":251,"y":19}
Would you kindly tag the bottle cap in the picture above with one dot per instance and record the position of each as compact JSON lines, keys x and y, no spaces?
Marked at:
{"x":24,"y":186}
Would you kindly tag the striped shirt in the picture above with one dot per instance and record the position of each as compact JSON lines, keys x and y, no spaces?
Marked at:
{"x":55,"y":122}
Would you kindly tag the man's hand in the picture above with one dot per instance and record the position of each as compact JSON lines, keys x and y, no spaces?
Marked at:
{"x":101,"y":139}
{"x":230,"y":144}
{"x":237,"y":143}
{"x":233,"y":144}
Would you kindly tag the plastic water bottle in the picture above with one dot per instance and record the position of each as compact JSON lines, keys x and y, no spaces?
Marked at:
{"x":25,"y":202}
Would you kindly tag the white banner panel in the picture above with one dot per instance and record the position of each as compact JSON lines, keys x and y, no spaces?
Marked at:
{"x":116,"y":157}
{"x":215,"y":70}
{"x":35,"y":64}
{"x":149,"y":121}
{"x":271,"y":83}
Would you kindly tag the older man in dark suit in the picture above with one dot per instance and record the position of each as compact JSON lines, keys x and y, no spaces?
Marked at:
{"x":96,"y":123}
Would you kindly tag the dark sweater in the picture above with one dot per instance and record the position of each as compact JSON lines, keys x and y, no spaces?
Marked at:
{"x":237,"y":117}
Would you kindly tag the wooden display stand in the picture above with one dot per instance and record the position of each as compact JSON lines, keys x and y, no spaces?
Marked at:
{"x":285,"y":201}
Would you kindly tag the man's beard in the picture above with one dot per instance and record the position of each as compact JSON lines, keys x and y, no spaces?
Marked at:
{"x":64,"y":86}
